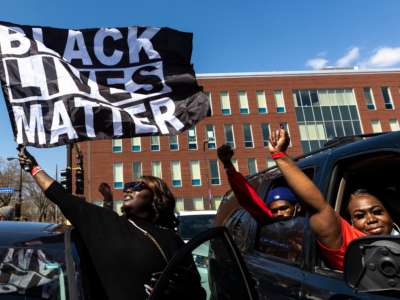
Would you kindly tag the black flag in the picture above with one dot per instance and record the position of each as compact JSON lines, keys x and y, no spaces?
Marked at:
{"x":64,"y":86}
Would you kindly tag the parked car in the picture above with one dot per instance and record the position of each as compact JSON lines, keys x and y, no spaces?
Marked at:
{"x":192,"y":223}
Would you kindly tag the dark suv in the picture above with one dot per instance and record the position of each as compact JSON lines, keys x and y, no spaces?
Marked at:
{"x":283,"y":258}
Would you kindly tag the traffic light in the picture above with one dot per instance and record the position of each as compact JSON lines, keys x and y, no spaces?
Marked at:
{"x":79,"y":175}
{"x":66,"y":179}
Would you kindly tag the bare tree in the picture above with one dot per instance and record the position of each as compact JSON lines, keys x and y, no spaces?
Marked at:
{"x":45,"y":209}
{"x":9,"y":177}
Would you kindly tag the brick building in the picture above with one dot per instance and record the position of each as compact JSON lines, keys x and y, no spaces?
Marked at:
{"x":315,"y":106}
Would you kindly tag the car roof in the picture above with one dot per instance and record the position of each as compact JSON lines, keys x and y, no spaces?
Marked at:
{"x":13,"y":233}
{"x":359,"y":144}
{"x":197,"y":212}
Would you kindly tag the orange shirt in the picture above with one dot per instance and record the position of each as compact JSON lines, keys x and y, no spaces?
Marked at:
{"x":335,"y":257}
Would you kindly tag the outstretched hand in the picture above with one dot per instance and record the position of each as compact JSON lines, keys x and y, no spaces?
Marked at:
{"x":279,"y":141}
{"x":26,"y":160}
{"x":225,"y":154}
{"x":105,"y":190}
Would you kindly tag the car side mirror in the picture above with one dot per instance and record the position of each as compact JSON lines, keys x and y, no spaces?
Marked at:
{"x":372,"y":264}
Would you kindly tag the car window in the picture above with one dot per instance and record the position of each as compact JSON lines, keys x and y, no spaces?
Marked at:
{"x":283,"y":239}
{"x":239,"y":226}
{"x":33,"y":273}
{"x":191,"y":225}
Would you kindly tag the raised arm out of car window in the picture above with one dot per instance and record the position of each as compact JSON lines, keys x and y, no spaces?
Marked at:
{"x":244,"y":192}
{"x":324,"y":222}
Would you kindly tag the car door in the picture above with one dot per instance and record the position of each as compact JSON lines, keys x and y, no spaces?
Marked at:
{"x":348,"y":171}
{"x":219,"y":263}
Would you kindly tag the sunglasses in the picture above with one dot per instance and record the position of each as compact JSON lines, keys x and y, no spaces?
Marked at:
{"x":135,"y":186}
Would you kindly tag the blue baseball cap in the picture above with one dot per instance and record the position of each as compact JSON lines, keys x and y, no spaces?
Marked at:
{"x":281,"y":193}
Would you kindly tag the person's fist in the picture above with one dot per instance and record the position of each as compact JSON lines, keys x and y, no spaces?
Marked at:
{"x":104,"y":189}
{"x":279,"y":141}
{"x":26,"y":160}
{"x":225,"y":154}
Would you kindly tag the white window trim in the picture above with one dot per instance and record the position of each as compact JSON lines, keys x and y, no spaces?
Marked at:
{"x":252,"y":136}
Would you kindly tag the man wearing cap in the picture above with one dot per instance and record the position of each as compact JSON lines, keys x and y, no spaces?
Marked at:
{"x":280,"y":203}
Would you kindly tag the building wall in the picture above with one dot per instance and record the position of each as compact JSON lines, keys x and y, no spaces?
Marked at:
{"x":99,"y":158}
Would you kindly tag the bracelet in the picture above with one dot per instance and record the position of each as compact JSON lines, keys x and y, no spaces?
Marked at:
{"x":36,"y":170}
{"x":278,"y":155}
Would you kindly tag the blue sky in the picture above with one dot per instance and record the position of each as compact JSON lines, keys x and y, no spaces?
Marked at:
{"x":231,"y":36}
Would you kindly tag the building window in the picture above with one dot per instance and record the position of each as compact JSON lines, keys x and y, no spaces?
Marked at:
{"x":117,"y":145}
{"x":180,"y":204}
{"x":229,"y":136}
{"x":387,"y":97}
{"x":369,"y":98}
{"x":210,"y":102}
{"x":279,"y":101}
{"x":325,"y":114}
{"x":176,"y":173}
{"x":137,"y":171}
{"x":136,"y":144}
{"x":261,"y":102}
{"x":210,"y":137}
{"x":394,"y":125}
{"x":198,"y":203}
{"x":156,"y":169}
{"x":192,"y":138}
{"x":225,"y":103}
{"x":235,"y":164}
{"x":173,"y":143}
{"x":252,"y":166}
{"x":376,"y":126}
{"x":118,"y":175}
{"x":248,"y":136}
{"x":155,"y":143}
{"x":214,"y":170}
{"x":243,"y":103}
{"x":195,"y":172}
{"x":265,"y":133}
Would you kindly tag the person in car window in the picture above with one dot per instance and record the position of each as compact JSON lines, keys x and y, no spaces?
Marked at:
{"x":280,"y":203}
{"x":367,"y":213}
{"x":127,"y":250}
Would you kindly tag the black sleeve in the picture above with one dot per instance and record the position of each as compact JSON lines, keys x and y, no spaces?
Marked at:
{"x":79,"y":212}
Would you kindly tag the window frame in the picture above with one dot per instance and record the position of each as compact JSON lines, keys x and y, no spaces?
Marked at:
{"x":171,"y":147}
{"x":118,"y":185}
{"x":135,"y":145}
{"x":117,"y":145}
{"x":279,"y":109}
{"x":174,"y":182}
{"x":243,"y":99}
{"x":244,"y":136}
{"x":225,"y":111}
{"x":191,"y":143}
{"x":261,"y":110}
{"x":195,"y":181}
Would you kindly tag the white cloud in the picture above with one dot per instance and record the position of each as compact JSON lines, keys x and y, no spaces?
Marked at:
{"x":348,"y":58}
{"x":317,"y":63}
{"x":384,"y":57}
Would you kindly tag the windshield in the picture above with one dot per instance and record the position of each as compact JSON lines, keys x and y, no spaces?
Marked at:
{"x":190,"y":226}
{"x":32,"y":273}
